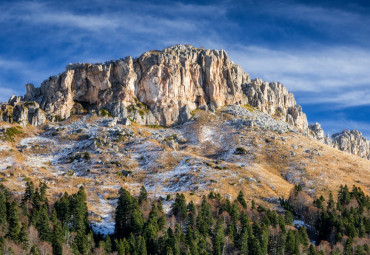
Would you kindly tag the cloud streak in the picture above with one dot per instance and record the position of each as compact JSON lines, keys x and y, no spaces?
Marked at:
{"x":321,"y":54}
{"x":338,"y":75}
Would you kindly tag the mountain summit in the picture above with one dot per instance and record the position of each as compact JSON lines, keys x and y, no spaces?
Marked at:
{"x":163,"y":88}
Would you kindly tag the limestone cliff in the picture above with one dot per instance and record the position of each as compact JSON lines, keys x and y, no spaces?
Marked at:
{"x":163,"y":87}
{"x":349,"y":141}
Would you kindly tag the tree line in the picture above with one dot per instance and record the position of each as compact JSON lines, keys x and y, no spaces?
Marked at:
{"x":30,"y":224}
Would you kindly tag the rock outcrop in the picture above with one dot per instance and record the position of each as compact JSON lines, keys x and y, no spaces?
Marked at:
{"x":352,"y":142}
{"x":349,"y":141}
{"x":163,"y":87}
{"x":22,"y":112}
{"x":274,"y":99}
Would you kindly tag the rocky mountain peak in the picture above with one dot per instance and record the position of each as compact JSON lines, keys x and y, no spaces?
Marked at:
{"x":160,"y":87}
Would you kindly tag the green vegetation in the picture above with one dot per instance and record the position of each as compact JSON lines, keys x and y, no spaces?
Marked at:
{"x":11,"y":133}
{"x":250,"y":108}
{"x":31,"y":224}
{"x":240,"y":151}
{"x":105,"y":113}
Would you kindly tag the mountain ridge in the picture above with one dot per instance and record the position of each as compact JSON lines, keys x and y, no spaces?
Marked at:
{"x":163,"y":88}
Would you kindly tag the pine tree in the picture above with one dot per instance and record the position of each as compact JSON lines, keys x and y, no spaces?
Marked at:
{"x":282,"y":223}
{"x":141,"y":246}
{"x":254,"y":246}
{"x":241,"y":199}
{"x":81,"y":242}
{"x":330,"y":201}
{"x":34,"y":250}
{"x":303,"y":237}
{"x":79,"y":212}
{"x":108,"y":244}
{"x":288,"y":218}
{"x":348,"y":250}
{"x":218,"y":238}
{"x":120,"y":246}
{"x":23,"y":237}
{"x":290,"y":243}
{"x":128,"y":217}
{"x":253,"y":205}
{"x":62,"y":207}
{"x":2,"y":207}
{"x":42,"y":224}
{"x":28,"y":195}
{"x":243,"y":243}
{"x":312,"y":250}
{"x":143,"y":197}
{"x":179,"y":207}
{"x":13,"y":220}
{"x":57,"y":239}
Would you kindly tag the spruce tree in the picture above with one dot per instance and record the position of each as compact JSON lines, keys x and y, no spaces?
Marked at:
{"x":128,"y":217}
{"x":218,"y":238}
{"x":241,"y":199}
{"x":2,"y":208}
{"x":243,"y":243}
{"x":143,"y":197}
{"x":312,"y":250}
{"x":290,"y":242}
{"x":57,"y":239}
{"x":13,"y":221}
{"x":23,"y":237}
{"x":42,"y":224}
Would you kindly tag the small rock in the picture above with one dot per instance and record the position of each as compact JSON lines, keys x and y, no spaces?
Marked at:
{"x":126,"y":122}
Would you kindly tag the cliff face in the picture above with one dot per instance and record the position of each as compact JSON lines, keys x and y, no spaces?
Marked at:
{"x":349,"y":141}
{"x":164,"y":87}
{"x":274,"y":99}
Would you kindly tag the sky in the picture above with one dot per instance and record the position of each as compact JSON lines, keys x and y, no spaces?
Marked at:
{"x":319,"y":50}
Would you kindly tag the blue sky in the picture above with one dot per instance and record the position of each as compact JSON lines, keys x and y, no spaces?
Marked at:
{"x":319,"y":49}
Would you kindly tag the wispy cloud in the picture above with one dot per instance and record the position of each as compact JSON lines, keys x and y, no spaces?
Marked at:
{"x":320,"y":53}
{"x":338,"y":74}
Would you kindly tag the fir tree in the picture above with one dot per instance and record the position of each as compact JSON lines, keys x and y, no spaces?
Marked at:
{"x":42,"y":224}
{"x":218,"y":238}
{"x":57,"y":239}
{"x":143,"y":197}
{"x":241,"y":199}
{"x":2,"y":207}
{"x":13,"y":220}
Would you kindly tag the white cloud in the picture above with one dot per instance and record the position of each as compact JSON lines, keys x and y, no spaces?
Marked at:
{"x":338,"y":74}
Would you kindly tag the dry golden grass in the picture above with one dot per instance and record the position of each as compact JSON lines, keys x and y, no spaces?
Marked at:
{"x":263,"y":177}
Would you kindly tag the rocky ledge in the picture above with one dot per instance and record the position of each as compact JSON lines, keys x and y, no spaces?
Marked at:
{"x":349,"y":141}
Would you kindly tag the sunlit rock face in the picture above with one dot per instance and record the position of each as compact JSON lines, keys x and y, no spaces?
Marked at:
{"x":349,"y":141}
{"x":163,"y":88}
{"x":169,"y":83}
{"x":352,"y":142}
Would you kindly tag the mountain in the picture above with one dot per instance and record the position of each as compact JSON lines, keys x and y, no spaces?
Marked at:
{"x":179,"y":120}
{"x":162,"y":88}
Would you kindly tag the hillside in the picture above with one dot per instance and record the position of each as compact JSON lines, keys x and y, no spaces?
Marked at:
{"x":179,"y":120}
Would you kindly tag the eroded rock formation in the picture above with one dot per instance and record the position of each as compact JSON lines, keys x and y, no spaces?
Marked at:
{"x":274,"y":99}
{"x":163,"y":87}
{"x":349,"y":141}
